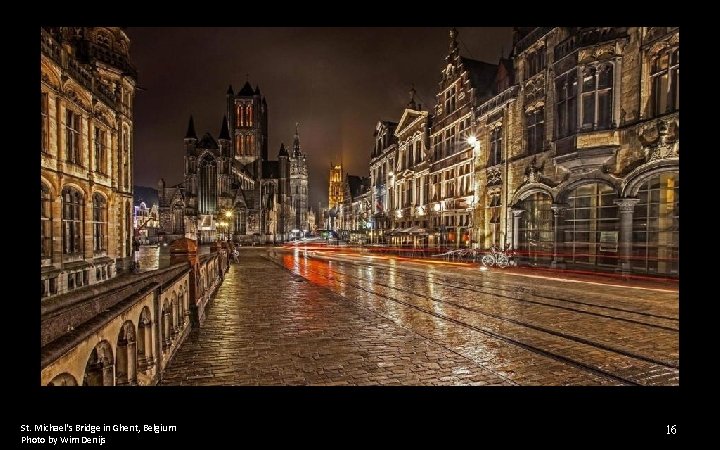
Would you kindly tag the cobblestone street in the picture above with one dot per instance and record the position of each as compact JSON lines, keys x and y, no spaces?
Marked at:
{"x":336,"y":320}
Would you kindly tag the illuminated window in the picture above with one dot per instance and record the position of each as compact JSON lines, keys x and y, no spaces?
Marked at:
{"x":535,"y":127}
{"x":72,"y":137}
{"x":45,"y":222}
{"x":44,"y":123}
{"x":99,"y":222}
{"x":665,"y":82}
{"x":72,"y":200}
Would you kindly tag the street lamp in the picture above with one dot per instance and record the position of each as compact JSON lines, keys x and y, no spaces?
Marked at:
{"x":438,"y":209}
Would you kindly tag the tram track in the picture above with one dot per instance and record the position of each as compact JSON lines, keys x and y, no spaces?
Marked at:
{"x":629,"y":358}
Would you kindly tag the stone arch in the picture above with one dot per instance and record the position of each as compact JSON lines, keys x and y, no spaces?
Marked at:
{"x":126,"y":355}
{"x":637,"y":177}
{"x":144,"y":339}
{"x":531,"y":188}
{"x":165,"y":324}
{"x":50,"y":185}
{"x":100,"y":368}
{"x":565,"y":189}
{"x":174,"y":315}
{"x":50,"y":74}
{"x":83,"y":189}
{"x":64,"y":379}
{"x":181,"y":306}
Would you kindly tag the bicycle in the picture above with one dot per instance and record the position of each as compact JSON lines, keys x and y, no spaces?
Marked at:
{"x":495,"y":257}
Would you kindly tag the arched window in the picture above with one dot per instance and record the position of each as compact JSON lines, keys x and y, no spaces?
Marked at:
{"x":45,"y":222}
{"x":656,"y":225}
{"x":99,"y":223}
{"x":665,"y":82}
{"x":72,"y":221}
{"x":535,"y":232}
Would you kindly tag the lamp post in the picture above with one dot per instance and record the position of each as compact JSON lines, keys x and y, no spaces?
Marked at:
{"x":228,"y":216}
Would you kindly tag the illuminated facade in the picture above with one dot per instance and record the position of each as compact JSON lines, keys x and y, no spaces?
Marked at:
{"x":231,"y":189}
{"x":587,"y":174}
{"x":568,"y":151}
{"x":336,"y":190}
{"x":87,"y":89}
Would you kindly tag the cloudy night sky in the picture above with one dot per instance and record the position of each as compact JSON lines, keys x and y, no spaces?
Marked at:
{"x":336,"y":82}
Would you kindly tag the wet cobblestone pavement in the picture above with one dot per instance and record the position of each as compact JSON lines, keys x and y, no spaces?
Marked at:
{"x":351,"y":320}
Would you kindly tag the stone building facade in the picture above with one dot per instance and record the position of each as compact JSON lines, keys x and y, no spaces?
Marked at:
{"x":568,"y":151}
{"x":87,"y":89}
{"x":590,"y":164}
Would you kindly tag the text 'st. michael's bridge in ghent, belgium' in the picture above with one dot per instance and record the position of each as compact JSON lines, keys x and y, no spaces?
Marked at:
{"x":516,"y":222}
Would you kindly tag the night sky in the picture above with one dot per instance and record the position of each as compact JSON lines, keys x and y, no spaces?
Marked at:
{"x":337,"y":82}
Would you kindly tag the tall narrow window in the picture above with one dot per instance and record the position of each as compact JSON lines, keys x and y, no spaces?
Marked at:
{"x":72,"y":137}
{"x":596,"y":112}
{"x":665,"y":77}
{"x":72,"y":221}
{"x":566,"y":91}
{"x":450,"y":100}
{"x":99,"y":223}
{"x":125,"y":158}
{"x":44,"y":124}
{"x":495,"y":156}
{"x":45,"y":222}
{"x":100,"y":159}
{"x":535,"y":123}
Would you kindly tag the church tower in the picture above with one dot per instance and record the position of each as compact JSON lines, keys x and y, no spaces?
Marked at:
{"x":299,"y":184}
{"x":248,"y":117}
{"x":335,"y":195}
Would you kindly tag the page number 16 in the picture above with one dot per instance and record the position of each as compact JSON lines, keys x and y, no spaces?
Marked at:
{"x":671,"y":429}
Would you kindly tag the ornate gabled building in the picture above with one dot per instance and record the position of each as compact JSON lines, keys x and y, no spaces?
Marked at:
{"x":382,"y":178}
{"x":87,"y":89}
{"x":231,"y":187}
{"x":464,"y":84}
{"x":589,"y":164}
{"x":411,"y":174}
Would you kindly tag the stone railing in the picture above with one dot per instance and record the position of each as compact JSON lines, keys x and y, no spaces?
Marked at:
{"x":126,"y":330}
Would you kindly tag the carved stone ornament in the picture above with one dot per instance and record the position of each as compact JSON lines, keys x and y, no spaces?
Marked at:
{"x":494,"y":176}
{"x":663,"y":147}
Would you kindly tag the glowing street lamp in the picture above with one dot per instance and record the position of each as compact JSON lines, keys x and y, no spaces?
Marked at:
{"x":472,"y":140}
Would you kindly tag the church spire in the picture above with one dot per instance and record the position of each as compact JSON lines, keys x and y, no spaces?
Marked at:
{"x":191,"y":129}
{"x":296,"y":142}
{"x":224,"y":131}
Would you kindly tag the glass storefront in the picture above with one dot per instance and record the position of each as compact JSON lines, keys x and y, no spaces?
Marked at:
{"x":656,"y":226}
{"x":535,"y":231}
{"x":591,"y":226}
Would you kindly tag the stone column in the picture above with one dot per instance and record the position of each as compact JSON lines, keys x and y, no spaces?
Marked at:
{"x":132,"y":362}
{"x":517,"y":212}
{"x":149,"y":360}
{"x":108,"y":372}
{"x":558,"y":259}
{"x":166,"y":328}
{"x":121,"y":363}
{"x":626,"y":207}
